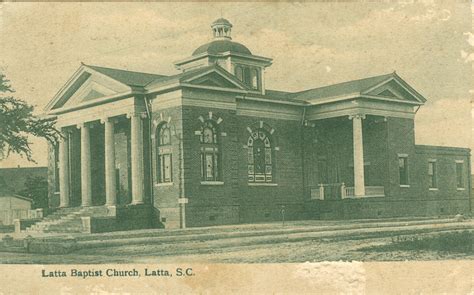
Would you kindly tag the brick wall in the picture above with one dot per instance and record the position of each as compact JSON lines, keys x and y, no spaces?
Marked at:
{"x":233,"y":200}
{"x":165,"y":195}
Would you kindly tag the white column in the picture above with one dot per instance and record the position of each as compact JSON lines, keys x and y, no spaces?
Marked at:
{"x":85,"y":166}
{"x":137,"y":157}
{"x":64,"y":171}
{"x":110,"y":184}
{"x":359,"y":185}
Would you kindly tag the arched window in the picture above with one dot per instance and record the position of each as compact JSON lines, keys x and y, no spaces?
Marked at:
{"x":239,"y":73}
{"x":210,"y":157}
{"x":164,"y":167}
{"x":254,"y":78}
{"x":260,"y":154}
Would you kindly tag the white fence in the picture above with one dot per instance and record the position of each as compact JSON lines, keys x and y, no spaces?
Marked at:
{"x":337,"y":191}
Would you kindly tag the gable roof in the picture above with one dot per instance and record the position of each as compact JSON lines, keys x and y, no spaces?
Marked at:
{"x":344,"y":88}
{"x":130,"y":78}
{"x":190,"y":74}
{"x":353,"y":87}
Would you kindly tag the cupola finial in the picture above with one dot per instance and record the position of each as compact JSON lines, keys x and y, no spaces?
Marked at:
{"x":221,"y":29}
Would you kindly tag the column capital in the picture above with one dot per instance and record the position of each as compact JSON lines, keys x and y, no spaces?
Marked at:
{"x":357,"y":116}
{"x":142,"y":115}
{"x":108,"y":119}
{"x":82,"y":125}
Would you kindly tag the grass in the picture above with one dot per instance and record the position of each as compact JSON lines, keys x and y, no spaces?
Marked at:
{"x":452,"y":242}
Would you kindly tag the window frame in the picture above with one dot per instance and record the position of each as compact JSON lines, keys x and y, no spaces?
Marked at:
{"x":433,"y":177}
{"x":239,"y":70}
{"x":463,"y":178}
{"x":407,"y":171}
{"x":164,"y":154}
{"x":267,"y":157}
{"x":210,"y":149}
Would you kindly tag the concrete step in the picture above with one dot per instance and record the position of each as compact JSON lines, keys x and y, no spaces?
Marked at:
{"x":65,"y":219}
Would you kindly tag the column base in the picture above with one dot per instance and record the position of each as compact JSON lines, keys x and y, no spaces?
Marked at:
{"x":137,"y":203}
{"x":111,"y":210}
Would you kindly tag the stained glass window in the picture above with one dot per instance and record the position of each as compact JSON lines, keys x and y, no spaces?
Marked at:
{"x":210,"y":157}
{"x":259,"y":157}
{"x":164,"y":164}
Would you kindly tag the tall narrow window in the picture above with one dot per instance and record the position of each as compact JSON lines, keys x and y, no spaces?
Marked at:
{"x":164,"y":157}
{"x":459,"y":174}
{"x":239,"y":73}
{"x":210,"y":157}
{"x":432,"y":177}
{"x":260,"y":154}
{"x":403,"y":170}
{"x":247,"y":76}
{"x":254,"y":78}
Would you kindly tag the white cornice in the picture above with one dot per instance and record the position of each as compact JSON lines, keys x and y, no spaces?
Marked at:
{"x":391,"y":99}
{"x":213,"y":88}
{"x":272,"y":101}
{"x":266,"y":60}
{"x":355,"y":95}
{"x":94,"y":102}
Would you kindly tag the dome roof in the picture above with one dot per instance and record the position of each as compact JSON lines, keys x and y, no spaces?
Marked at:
{"x":220,"y":46}
{"x":221,"y":21}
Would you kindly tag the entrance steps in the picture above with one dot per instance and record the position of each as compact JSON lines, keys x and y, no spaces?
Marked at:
{"x":66,"y":220}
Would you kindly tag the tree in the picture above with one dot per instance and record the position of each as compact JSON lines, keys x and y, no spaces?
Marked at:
{"x":36,"y":188}
{"x":17,"y":122}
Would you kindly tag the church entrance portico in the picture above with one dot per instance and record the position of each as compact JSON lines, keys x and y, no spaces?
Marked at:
{"x":101,"y":162}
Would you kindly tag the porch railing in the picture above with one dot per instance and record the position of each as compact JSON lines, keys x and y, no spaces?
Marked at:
{"x":337,"y":191}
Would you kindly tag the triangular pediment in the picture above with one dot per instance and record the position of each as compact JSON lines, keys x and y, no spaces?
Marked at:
{"x":394,"y":88}
{"x":216,"y":77}
{"x":84,"y":86}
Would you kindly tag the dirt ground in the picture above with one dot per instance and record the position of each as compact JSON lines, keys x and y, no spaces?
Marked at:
{"x":312,"y":251}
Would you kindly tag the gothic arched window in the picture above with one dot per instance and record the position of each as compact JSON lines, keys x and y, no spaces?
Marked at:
{"x":260,"y":154}
{"x":164,"y":167}
{"x":210,"y":157}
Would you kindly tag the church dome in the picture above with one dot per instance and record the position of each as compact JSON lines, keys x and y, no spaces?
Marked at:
{"x":221,"y":21}
{"x":220,"y":46}
{"x":221,"y":29}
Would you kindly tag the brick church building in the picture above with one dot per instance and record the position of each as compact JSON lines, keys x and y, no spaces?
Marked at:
{"x":212,"y":145}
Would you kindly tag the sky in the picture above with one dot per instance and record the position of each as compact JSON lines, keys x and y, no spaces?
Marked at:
{"x":429,"y":44}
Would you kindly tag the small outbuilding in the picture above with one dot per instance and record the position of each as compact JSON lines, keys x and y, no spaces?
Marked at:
{"x":13,"y":206}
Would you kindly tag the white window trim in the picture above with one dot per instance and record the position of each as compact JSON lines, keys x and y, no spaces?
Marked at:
{"x":212,"y":183}
{"x":262,"y":184}
{"x":408,"y":170}
{"x":164,"y":184}
{"x":464,"y":185}
{"x":435,"y":174}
